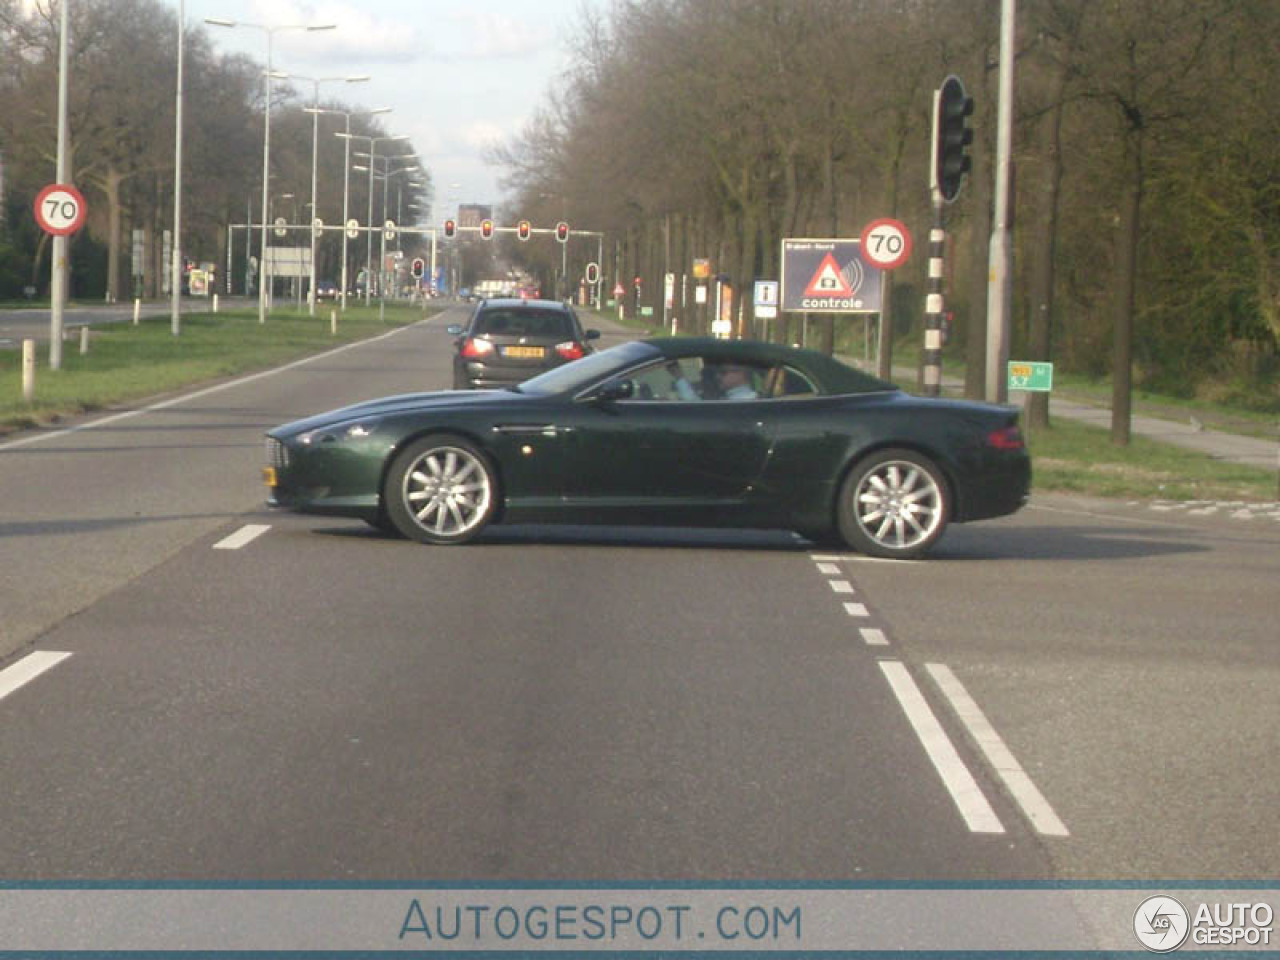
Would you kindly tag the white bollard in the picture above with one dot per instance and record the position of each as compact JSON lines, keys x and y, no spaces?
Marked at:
{"x":333,"y":322}
{"x":215,"y":303}
{"x":28,"y":370}
{"x":84,"y":339}
{"x":137,"y":311}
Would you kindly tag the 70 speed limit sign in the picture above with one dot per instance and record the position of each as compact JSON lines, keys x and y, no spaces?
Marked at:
{"x":886,"y":243}
{"x":60,"y":209}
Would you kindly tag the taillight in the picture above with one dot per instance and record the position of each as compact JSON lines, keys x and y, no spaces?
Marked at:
{"x":570,"y":350}
{"x":1006,"y":438}
{"x":473,"y":348}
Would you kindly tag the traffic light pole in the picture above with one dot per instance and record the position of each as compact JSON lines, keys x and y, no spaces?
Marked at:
{"x":947,"y":168}
{"x":934,"y":302}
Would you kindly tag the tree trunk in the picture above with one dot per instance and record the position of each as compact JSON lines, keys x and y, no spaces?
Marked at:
{"x":1126,"y":290}
{"x":111,"y":187}
{"x":1040,"y":323}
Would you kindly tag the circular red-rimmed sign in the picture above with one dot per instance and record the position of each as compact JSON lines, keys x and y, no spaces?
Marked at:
{"x":60,"y":209}
{"x":886,"y":243}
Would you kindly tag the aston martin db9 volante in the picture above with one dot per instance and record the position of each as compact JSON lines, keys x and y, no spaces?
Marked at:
{"x":671,"y":432}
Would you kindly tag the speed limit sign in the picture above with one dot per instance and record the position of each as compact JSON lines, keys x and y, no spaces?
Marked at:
{"x":886,"y":243}
{"x":60,"y":209}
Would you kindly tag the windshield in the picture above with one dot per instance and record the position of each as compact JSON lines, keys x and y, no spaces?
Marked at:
{"x":590,"y":369}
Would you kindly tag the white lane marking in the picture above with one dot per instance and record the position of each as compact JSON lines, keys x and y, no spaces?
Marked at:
{"x":841,"y":586}
{"x":856,"y":609}
{"x":242,"y":537}
{"x":829,"y":569}
{"x":955,"y":775}
{"x":1028,"y":797}
{"x":873,"y":637}
{"x":28,"y":668}
{"x":217,"y":388}
{"x":824,"y":558}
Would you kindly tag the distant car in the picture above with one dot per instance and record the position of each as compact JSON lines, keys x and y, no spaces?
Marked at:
{"x":510,"y":340}
{"x":673,"y":432}
{"x":327,"y":290}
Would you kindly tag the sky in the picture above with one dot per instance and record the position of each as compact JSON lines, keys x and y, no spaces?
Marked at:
{"x":459,"y":75}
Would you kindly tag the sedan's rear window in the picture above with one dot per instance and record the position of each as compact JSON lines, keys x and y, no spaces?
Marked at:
{"x":523,"y":323}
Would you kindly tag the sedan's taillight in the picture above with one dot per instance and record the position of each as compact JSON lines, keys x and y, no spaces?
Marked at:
{"x":570,"y":350}
{"x":473,"y":347}
{"x":1006,"y":438}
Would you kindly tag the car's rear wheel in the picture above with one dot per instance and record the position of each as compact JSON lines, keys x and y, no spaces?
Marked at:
{"x":440,"y":489}
{"x":894,"y":504}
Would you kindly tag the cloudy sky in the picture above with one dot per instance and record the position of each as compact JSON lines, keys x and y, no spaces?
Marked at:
{"x":459,"y":74}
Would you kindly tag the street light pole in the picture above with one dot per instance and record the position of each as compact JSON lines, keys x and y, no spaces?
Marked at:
{"x":175,"y":280}
{"x":58,"y":269}
{"x":373,"y":151}
{"x":266,"y":137}
{"x":346,"y":180}
{"x":315,"y":112}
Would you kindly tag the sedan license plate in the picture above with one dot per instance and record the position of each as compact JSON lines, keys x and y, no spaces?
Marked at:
{"x":531,"y":353}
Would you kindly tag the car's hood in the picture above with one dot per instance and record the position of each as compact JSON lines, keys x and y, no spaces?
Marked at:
{"x":388,"y":406}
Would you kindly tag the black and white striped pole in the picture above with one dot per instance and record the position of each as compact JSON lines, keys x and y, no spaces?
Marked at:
{"x":951,"y":136}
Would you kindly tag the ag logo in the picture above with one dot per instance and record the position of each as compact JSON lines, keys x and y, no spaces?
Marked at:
{"x":1162,"y":924}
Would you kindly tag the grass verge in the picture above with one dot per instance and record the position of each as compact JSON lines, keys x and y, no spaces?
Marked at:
{"x":1079,"y":458}
{"x":126,"y":362}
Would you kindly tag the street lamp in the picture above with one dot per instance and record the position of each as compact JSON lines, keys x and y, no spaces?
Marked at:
{"x":315,"y":143}
{"x":266,"y":137}
{"x":385,"y":177}
{"x":346,"y":180}
{"x":373,"y":150}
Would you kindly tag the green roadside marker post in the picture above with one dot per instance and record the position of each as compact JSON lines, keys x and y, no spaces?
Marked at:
{"x":1032,"y":377}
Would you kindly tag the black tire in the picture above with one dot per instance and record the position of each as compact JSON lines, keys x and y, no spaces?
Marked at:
{"x":893,"y":504}
{"x":382,"y":524}
{"x":441,"y":490}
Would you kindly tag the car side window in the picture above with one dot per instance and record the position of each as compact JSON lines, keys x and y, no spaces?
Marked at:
{"x":788,"y":383}
{"x":695,"y":379}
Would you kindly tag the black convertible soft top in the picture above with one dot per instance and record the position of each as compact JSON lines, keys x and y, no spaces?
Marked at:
{"x":835,"y":377}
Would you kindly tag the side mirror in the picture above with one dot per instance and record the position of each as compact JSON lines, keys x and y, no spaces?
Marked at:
{"x":454,"y":329}
{"x":615,"y":391}
{"x":593,"y":334}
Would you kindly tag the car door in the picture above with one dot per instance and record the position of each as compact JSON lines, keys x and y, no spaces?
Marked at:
{"x":649,"y":452}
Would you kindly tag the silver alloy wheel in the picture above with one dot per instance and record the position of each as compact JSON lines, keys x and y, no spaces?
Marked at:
{"x":898,"y":505}
{"x":447,"y":491}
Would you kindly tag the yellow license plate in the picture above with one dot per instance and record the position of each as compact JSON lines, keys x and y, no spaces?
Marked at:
{"x":269,"y":476}
{"x":530,"y":352}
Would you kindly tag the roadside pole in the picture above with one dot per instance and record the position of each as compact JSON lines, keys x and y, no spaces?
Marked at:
{"x":58,"y":267}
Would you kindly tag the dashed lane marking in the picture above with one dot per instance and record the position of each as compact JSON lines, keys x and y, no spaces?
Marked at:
{"x":28,"y":668}
{"x":242,"y":537}
{"x":874,"y":637}
{"x":841,"y":586}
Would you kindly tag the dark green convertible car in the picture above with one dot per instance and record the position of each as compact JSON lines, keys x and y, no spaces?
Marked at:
{"x":673,"y":432}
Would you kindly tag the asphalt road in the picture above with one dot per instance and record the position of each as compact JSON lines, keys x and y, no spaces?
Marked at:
{"x":1082,"y":691}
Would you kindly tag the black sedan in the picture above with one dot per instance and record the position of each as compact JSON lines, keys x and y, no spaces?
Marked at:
{"x":509,"y":340}
{"x":671,"y":432}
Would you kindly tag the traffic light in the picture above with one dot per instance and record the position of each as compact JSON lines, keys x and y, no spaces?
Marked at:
{"x":419,"y":267}
{"x":523,"y":229}
{"x":450,"y":228}
{"x":951,"y":137}
{"x":562,"y":232}
{"x":486,"y":228}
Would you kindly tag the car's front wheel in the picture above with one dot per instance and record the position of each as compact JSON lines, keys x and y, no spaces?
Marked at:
{"x":893,"y":504}
{"x":440,"y":489}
